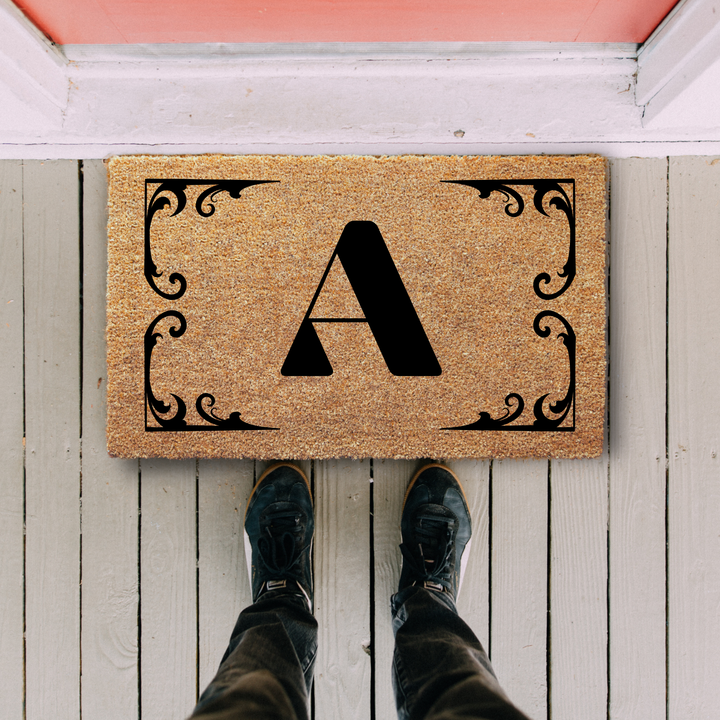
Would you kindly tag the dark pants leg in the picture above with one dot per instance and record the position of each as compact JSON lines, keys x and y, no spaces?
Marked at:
{"x":266,"y":672}
{"x":440,"y":669}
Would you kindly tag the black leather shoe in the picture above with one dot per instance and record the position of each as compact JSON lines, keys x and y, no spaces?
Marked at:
{"x":436,"y":531}
{"x":279,"y":528}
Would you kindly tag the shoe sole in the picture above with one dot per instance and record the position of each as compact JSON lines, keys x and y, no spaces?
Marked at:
{"x":246,"y":537}
{"x":466,"y":552}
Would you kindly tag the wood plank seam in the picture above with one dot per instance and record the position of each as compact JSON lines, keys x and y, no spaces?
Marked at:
{"x":80,"y":420}
{"x":24,"y":589}
{"x":667,"y":438}
{"x":607,"y":552}
{"x":607,"y":521}
{"x":371,"y":569}
{"x":197,"y":579}
{"x":24,"y":452}
{"x":548,"y":621}
{"x":608,"y":416}
{"x":81,"y":246}
{"x":140,"y":593}
{"x":490,"y":563}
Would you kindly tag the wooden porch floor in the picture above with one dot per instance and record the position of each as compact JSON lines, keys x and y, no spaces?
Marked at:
{"x":595,"y":585}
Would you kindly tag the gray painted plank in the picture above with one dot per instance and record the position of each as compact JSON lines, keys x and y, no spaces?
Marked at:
{"x":109,"y":499}
{"x":694,"y":438}
{"x":578,"y":588}
{"x":519,"y":581}
{"x":342,"y":588}
{"x":390,"y":480}
{"x":637,"y":439}
{"x":168,"y":589}
{"x":11,"y":441}
{"x":473,"y":601}
{"x":224,"y":587}
{"x":52,"y":391}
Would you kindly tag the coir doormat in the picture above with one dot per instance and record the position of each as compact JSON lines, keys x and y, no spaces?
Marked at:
{"x":315,"y":307}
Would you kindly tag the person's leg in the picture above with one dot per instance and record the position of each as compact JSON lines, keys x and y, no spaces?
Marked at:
{"x":267,"y":669}
{"x":440,"y":669}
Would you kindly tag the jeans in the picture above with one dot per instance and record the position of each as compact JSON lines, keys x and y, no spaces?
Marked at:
{"x":440,"y":670}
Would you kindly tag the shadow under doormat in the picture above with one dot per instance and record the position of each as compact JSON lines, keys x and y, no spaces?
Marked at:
{"x":317,"y":307}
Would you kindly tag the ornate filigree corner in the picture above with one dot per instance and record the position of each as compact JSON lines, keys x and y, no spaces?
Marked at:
{"x":562,"y":412}
{"x":161,"y":416}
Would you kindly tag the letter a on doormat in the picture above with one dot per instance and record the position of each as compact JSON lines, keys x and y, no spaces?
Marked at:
{"x":316,"y":307}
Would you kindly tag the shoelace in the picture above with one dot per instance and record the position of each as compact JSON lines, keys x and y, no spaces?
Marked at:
{"x":435,"y":546}
{"x":278,"y":545}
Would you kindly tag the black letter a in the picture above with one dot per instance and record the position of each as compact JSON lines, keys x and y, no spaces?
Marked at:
{"x":384,"y":301}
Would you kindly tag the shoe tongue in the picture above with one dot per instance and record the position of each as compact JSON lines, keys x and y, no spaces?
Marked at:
{"x":279,"y":538}
{"x":285,"y":550}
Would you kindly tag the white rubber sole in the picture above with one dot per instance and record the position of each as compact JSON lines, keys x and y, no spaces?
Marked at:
{"x":463,"y":565}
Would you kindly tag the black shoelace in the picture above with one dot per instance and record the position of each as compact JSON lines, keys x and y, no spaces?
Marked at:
{"x":435,"y":544}
{"x":279,"y":545}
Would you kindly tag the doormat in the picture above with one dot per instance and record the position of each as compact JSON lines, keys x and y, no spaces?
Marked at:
{"x":317,"y":307}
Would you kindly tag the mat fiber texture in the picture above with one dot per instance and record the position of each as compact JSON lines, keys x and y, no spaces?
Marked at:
{"x":317,"y":307}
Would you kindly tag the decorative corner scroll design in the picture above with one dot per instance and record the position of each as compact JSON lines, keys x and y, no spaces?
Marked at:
{"x":514,"y":207}
{"x":205,"y":403}
{"x":160,"y":409}
{"x":560,"y":409}
{"x":204,"y":208}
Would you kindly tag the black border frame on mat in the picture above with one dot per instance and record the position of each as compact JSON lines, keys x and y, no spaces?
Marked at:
{"x":564,"y":409}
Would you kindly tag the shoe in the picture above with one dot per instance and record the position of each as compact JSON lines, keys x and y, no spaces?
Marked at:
{"x":279,"y":528}
{"x":436,"y":530}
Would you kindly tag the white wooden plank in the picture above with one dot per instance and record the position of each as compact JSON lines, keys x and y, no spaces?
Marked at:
{"x":474,"y":600}
{"x":694,"y":438}
{"x":52,"y":392}
{"x":168,"y":589}
{"x":109,"y":498}
{"x":224,"y":588}
{"x":637,"y":439}
{"x":519,"y":581}
{"x":390,"y":480}
{"x":11,"y":441}
{"x":342,"y":588}
{"x":578,"y":588}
